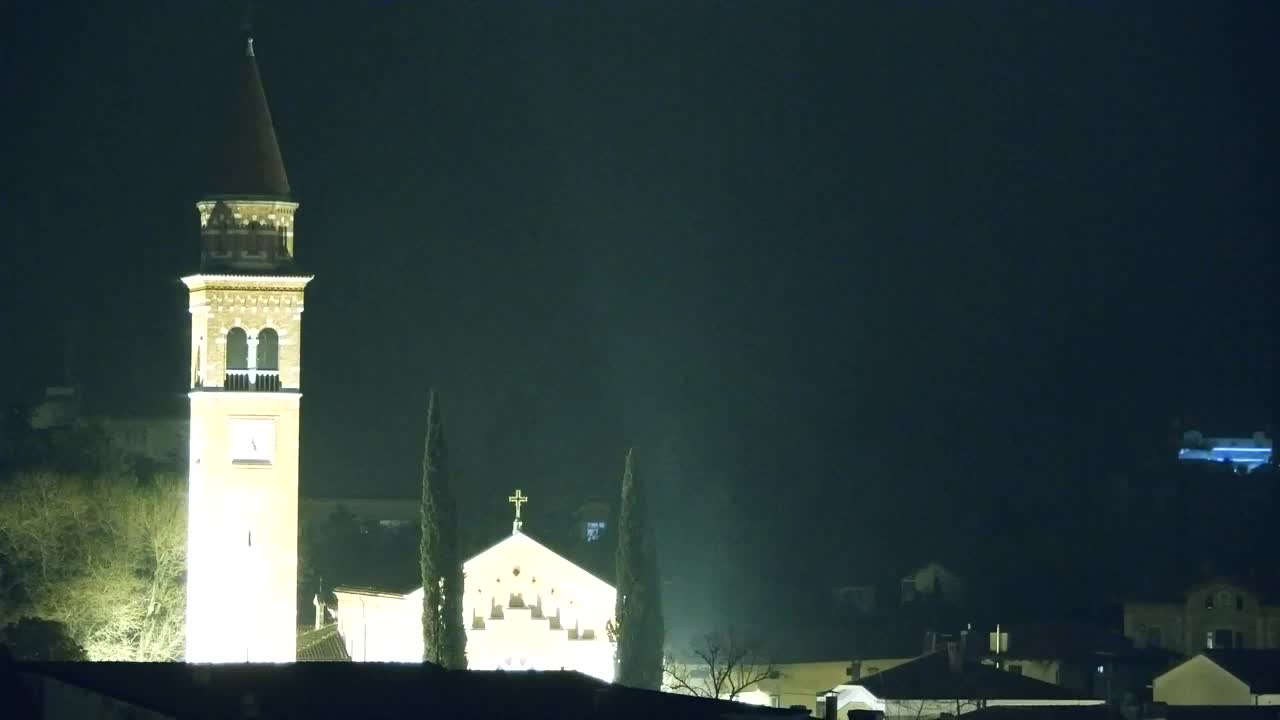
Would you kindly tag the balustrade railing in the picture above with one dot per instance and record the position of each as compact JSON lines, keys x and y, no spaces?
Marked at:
{"x":252,"y":380}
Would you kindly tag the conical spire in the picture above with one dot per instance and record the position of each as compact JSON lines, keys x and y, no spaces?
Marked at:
{"x":246,"y":159}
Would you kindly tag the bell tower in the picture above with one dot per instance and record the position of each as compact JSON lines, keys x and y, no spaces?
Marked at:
{"x":246,"y":388}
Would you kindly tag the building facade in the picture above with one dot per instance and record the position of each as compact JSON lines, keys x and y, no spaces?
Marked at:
{"x":526,"y":608}
{"x":1218,"y":614}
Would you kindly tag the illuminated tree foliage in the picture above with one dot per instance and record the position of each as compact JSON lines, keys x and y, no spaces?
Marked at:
{"x":638,"y":628}
{"x":444,"y":640}
{"x":103,"y":556}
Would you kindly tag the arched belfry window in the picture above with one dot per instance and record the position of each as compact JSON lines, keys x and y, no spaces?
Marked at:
{"x":237,"y":349}
{"x":268,"y":349}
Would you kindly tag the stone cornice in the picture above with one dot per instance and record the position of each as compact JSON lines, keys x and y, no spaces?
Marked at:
{"x":246,"y":282}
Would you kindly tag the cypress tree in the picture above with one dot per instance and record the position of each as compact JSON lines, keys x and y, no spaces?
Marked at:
{"x":443,"y":634}
{"x":638,"y":628}
{"x":454,"y":641}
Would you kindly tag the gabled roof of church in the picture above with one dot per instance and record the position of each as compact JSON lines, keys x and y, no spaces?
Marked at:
{"x":409,"y":588}
{"x":246,"y":160}
{"x":521,"y":537}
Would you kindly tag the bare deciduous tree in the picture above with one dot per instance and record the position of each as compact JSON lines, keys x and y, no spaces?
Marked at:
{"x":918,"y":708}
{"x":719,"y":665}
{"x":104,"y":556}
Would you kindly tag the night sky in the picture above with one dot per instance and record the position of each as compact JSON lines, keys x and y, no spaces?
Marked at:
{"x":866,"y":283}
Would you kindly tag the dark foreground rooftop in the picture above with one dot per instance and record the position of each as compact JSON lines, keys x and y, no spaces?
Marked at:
{"x":1102,"y":712}
{"x":366,"y":690}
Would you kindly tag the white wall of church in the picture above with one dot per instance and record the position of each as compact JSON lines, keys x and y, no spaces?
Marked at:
{"x":380,"y":627}
{"x":526,"y":608}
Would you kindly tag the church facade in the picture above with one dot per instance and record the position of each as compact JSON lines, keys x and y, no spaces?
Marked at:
{"x":245,"y":387}
{"x":526,"y":608}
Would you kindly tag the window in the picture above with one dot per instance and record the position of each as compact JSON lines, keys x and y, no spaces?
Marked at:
{"x":594,"y":530}
{"x":1220,"y":639}
{"x":237,"y":349}
{"x":1240,"y":603}
{"x":1015,"y":669}
{"x":1239,"y":641}
{"x":268,"y":349}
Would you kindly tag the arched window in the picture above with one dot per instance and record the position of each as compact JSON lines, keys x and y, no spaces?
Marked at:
{"x":237,"y":349}
{"x":268,"y":349}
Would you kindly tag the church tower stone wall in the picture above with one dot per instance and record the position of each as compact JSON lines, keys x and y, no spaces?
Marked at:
{"x":246,"y":388}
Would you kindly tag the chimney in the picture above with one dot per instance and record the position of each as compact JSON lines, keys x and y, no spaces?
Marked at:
{"x":955,"y":656}
{"x":829,"y":708}
{"x":999,"y":641}
{"x":319,"y":605}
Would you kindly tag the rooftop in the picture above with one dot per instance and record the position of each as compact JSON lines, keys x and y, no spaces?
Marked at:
{"x":245,"y":157}
{"x":1259,"y":669}
{"x":373,"y":690}
{"x":1045,"y":712}
{"x":322,"y":645}
{"x":932,"y":677}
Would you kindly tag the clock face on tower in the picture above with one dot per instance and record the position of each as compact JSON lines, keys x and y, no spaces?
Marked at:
{"x":253,"y":440}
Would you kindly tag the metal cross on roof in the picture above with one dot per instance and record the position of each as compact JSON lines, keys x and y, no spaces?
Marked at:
{"x":518,"y":499}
